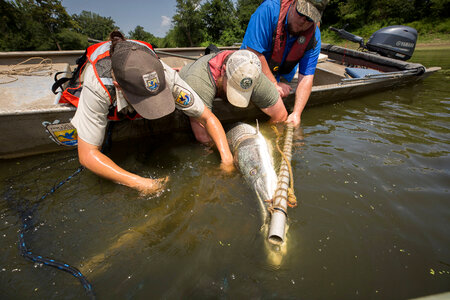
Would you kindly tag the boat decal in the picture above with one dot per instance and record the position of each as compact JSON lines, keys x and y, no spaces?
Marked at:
{"x":63,"y":133}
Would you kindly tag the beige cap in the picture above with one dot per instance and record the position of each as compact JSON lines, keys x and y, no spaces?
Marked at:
{"x":243,"y":71}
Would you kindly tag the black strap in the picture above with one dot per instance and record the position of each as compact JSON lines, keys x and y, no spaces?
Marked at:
{"x":59,"y":82}
{"x":211,"y":49}
{"x":74,"y":75}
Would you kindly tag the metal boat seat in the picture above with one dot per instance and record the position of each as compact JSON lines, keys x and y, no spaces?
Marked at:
{"x":360,"y":73}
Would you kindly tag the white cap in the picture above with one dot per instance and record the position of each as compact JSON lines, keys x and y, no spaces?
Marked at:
{"x":243,"y":71}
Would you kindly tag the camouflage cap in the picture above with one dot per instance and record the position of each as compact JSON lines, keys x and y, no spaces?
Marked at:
{"x":312,"y":8}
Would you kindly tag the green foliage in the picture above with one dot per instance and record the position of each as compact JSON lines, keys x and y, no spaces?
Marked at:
{"x":188,"y":26}
{"x":231,"y":36}
{"x":8,"y":25}
{"x":45,"y":25}
{"x":72,"y":40}
{"x":431,"y":26}
{"x":169,"y":41}
{"x":52,"y":15}
{"x":36,"y":25}
{"x":140,"y":34}
{"x":401,"y":10}
{"x":358,"y":13}
{"x":440,"y":8}
{"x":93,"y":25}
{"x":218,"y":16}
{"x":245,"y":9}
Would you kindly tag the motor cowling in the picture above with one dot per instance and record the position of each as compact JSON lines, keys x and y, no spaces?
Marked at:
{"x":396,"y":41}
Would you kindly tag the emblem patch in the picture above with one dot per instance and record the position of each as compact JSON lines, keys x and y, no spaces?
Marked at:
{"x":301,"y":39}
{"x":151,"y":81}
{"x":63,"y":134}
{"x":246,"y":83}
{"x":184,"y":98}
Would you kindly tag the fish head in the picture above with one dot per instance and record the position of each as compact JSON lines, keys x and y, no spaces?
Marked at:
{"x":255,"y":164}
{"x":253,"y":159}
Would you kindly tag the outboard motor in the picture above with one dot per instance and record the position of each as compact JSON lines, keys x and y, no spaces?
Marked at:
{"x":396,"y":41}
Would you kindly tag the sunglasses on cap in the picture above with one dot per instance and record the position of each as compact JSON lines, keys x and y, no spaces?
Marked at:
{"x":302,"y":15}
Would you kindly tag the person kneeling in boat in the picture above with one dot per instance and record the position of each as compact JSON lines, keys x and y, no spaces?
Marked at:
{"x":126,"y":76}
{"x":235,"y":76}
{"x":285,"y":34}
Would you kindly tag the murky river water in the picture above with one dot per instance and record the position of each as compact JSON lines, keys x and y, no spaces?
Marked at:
{"x":372,"y":176}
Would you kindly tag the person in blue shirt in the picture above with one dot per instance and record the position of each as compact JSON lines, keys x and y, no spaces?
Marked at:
{"x":285,"y":35}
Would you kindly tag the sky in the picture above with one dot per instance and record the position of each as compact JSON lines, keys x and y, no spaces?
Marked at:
{"x":154,"y":15}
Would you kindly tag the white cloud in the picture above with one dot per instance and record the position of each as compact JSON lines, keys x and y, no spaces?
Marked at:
{"x":165,"y":21}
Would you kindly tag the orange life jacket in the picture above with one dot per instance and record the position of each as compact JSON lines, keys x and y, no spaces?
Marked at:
{"x":305,"y":42}
{"x":98,"y":55}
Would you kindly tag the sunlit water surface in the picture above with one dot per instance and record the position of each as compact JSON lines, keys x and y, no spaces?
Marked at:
{"x":372,"y":178}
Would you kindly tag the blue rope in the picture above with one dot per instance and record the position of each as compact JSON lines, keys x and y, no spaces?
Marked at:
{"x":27,"y":215}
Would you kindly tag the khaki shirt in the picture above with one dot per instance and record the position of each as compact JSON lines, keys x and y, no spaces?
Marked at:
{"x":198,"y":76}
{"x":91,"y":116}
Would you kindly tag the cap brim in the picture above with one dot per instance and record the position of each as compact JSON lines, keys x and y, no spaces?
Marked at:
{"x":307,"y":9}
{"x":153,"y":107}
{"x":236,"y":96}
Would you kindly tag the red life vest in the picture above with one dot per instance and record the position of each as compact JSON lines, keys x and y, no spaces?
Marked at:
{"x":99,"y":57}
{"x":304,"y":42}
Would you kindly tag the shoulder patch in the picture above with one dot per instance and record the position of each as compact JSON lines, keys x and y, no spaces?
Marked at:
{"x":182,"y":96}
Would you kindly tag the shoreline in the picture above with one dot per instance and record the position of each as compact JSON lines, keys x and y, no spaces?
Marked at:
{"x":422,"y":46}
{"x":440,"y":45}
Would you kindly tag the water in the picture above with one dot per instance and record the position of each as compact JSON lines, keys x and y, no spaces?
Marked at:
{"x":372,"y":179}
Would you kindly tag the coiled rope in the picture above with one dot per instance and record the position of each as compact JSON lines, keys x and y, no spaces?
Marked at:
{"x":42,"y":68}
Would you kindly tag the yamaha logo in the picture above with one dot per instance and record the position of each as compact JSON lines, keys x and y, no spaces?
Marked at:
{"x":404,"y":44}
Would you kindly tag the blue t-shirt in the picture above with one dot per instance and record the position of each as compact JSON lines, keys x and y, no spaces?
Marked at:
{"x":259,"y":37}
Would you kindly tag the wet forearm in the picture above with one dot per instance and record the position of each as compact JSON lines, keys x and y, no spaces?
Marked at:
{"x":302,"y":93}
{"x":91,"y":157}
{"x":217,"y":134}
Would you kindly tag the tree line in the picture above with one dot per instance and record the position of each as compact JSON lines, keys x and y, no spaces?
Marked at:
{"x":27,"y":25}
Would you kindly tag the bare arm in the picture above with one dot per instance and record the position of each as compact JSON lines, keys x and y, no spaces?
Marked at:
{"x":217,"y":134}
{"x":91,"y":157}
{"x":277,"y":112}
{"x":302,"y":94}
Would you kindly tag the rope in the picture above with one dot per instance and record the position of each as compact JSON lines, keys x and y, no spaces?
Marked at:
{"x":43,"y":68}
{"x":27,"y":225}
{"x":292,"y":199}
{"x":26,"y":217}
